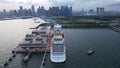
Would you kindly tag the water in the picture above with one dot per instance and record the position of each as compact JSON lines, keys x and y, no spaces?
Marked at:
{"x":11,"y":33}
{"x":105,"y":42}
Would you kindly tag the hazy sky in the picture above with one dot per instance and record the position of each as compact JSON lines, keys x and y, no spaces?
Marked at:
{"x":76,"y":4}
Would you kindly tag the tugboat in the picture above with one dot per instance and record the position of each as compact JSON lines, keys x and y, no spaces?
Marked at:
{"x":27,"y":57}
{"x":6,"y":63}
{"x":90,"y":51}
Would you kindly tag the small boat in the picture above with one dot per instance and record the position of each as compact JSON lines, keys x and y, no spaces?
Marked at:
{"x":6,"y":63}
{"x":27,"y":57}
{"x":90,"y":51}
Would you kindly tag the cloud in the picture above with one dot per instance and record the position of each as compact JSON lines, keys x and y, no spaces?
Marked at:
{"x":79,"y":4}
{"x":88,"y":4}
{"x":76,"y":4}
{"x":62,"y":2}
{"x":24,"y":3}
{"x":118,"y":0}
{"x":44,"y":3}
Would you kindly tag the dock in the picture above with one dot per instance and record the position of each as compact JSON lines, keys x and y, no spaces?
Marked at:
{"x":43,"y":60}
{"x":38,"y":41}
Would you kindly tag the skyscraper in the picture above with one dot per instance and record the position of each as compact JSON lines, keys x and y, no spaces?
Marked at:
{"x":100,"y":11}
{"x":70,"y":11}
{"x":42,"y":11}
{"x":91,"y":11}
{"x":66,"y":11}
{"x":33,"y":10}
{"x":21,"y":11}
{"x":38,"y":11}
{"x":4,"y":12}
{"x":54,"y":11}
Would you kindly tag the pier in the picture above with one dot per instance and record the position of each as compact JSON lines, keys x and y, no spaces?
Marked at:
{"x":38,"y":41}
{"x":116,"y":28}
{"x":43,"y":60}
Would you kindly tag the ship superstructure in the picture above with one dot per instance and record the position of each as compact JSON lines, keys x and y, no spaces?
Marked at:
{"x":58,"y":49}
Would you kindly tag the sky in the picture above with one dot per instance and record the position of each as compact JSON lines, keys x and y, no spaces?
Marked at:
{"x":76,"y":4}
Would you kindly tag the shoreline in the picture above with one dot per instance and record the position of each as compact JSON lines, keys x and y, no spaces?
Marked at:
{"x":70,"y":26}
{"x":2,"y":19}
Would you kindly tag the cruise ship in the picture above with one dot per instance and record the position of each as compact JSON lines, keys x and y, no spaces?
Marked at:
{"x":58,"y":49}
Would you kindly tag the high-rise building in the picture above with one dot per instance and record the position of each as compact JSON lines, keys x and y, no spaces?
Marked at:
{"x":28,"y":12}
{"x":63,"y":10}
{"x":42,"y":11}
{"x":91,"y":11}
{"x":70,"y":11}
{"x":83,"y":12}
{"x":54,"y":11}
{"x":100,"y":11}
{"x":66,"y":11}
{"x":4,"y":12}
{"x":38,"y":11}
{"x":33,"y":10}
{"x":21,"y":11}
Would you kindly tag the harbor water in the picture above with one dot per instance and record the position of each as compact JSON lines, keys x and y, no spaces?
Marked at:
{"x":105,"y":42}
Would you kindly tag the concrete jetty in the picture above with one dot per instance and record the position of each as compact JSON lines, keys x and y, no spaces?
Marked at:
{"x":38,"y":41}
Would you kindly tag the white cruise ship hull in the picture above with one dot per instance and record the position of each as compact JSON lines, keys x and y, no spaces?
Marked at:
{"x":58,"y":58}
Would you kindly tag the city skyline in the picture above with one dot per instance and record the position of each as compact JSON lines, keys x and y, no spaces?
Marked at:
{"x":77,"y":5}
{"x":30,"y":12}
